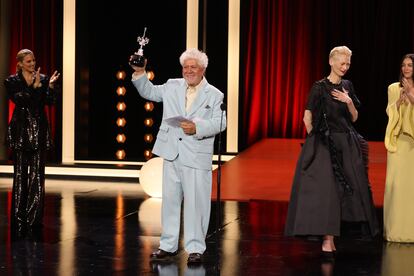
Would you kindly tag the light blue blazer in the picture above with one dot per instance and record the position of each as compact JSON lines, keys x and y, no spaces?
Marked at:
{"x":195,"y":150}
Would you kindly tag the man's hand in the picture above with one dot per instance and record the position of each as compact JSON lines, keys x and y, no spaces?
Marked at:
{"x":188,"y":127}
{"x":138,"y":70}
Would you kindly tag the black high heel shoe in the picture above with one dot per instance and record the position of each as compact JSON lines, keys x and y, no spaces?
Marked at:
{"x":328,"y":254}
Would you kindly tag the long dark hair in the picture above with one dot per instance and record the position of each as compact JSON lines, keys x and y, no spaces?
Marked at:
{"x":410,"y":56}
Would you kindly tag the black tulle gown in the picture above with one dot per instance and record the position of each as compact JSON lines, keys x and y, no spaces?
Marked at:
{"x":330,"y":187}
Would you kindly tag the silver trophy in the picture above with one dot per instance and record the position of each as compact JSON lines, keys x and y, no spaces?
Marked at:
{"x":138,"y":58}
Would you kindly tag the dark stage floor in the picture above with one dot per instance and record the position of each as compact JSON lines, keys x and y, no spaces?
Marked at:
{"x":103,"y":228}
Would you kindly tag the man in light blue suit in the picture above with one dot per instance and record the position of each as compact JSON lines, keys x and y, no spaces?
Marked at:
{"x":192,"y":116}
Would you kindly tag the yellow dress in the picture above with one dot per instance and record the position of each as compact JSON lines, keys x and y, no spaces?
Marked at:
{"x":399,"y":185}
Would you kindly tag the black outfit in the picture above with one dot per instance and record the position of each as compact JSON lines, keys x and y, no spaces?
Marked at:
{"x":331,"y":180}
{"x":28,"y":136}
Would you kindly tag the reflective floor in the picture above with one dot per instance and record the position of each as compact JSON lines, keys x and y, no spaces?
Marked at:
{"x":110,"y":228}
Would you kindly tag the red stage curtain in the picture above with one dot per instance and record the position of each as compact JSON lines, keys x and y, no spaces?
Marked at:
{"x":277,"y":77}
{"x":33,"y":26}
{"x":285,"y":46}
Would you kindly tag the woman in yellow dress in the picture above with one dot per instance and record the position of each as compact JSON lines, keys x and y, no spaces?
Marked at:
{"x":399,"y":142}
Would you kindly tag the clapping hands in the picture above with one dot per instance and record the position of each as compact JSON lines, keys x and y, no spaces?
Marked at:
{"x":407,"y":93}
{"x":53,"y":79}
{"x":36,"y":77}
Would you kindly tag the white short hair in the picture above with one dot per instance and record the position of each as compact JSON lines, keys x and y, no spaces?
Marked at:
{"x":340,"y":50}
{"x":198,"y":55}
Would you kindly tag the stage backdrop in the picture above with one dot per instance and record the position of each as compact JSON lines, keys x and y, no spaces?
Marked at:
{"x":284,"y":49}
{"x":37,"y":25}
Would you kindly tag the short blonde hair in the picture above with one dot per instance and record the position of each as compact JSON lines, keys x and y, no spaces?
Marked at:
{"x":198,"y":55}
{"x":340,"y":50}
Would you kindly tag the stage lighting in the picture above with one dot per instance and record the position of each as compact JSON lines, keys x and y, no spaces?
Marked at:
{"x":120,"y":75}
{"x":149,"y":106}
{"x":121,"y":91}
{"x":121,"y":122}
{"x":150,"y":75}
{"x":148,"y":122}
{"x":120,"y":138}
{"x":120,"y":154}
{"x":121,"y":106}
{"x":147,"y":154}
{"x":148,"y":138}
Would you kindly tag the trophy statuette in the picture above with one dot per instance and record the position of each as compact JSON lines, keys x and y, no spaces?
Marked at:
{"x":138,"y":58}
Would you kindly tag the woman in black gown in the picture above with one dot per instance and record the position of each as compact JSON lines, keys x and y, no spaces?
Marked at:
{"x":331,"y":180}
{"x":28,"y":136}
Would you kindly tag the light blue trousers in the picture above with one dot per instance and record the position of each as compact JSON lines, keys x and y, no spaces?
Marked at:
{"x":194,"y":186}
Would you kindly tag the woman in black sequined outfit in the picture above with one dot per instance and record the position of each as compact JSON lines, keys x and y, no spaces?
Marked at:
{"x":28,"y":136}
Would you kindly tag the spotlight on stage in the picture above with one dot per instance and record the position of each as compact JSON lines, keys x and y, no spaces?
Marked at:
{"x":150,"y":177}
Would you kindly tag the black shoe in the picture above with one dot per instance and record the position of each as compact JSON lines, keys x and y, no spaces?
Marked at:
{"x":161,"y":254}
{"x":328,"y":255}
{"x":195,"y":258}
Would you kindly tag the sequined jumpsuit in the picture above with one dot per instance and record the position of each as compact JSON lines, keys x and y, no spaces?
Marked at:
{"x":28,"y":136}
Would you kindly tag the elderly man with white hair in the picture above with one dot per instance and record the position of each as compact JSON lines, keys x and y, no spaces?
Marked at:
{"x":187,"y":148}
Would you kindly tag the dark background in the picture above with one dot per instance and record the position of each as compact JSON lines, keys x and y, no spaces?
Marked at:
{"x":106,"y":37}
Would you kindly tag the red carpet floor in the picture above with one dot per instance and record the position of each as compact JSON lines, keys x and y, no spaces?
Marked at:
{"x":265,"y":171}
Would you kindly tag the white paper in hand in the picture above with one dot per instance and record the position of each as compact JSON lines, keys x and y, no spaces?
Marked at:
{"x":176,"y":121}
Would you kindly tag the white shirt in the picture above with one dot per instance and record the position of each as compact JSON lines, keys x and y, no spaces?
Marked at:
{"x":192,"y":92}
